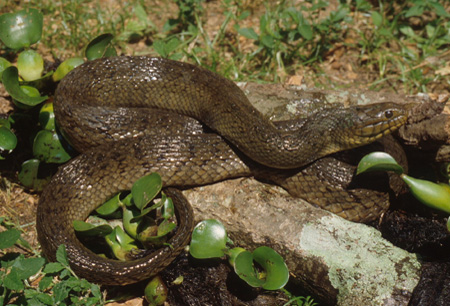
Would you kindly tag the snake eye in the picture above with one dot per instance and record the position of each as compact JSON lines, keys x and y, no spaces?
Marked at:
{"x":388,"y":114}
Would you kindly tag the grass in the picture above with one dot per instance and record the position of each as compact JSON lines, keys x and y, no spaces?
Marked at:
{"x":393,"y":45}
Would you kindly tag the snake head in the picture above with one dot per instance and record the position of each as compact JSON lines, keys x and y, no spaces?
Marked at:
{"x":367,"y":123}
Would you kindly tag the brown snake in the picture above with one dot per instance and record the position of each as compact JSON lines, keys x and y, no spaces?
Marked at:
{"x":106,"y":109}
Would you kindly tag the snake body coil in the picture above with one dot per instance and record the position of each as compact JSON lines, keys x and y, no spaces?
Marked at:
{"x":106,"y":108}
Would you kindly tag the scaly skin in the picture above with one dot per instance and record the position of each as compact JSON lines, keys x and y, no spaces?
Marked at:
{"x":105,"y":108}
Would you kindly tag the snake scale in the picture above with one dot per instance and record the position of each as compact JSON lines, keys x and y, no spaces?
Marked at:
{"x":107,"y":110}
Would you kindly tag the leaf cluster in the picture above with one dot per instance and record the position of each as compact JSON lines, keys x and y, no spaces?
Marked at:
{"x":32,"y":281}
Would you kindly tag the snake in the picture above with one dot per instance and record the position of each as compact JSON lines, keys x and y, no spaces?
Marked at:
{"x":129,"y":116}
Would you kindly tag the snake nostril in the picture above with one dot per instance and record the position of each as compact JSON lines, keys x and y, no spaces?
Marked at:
{"x":388,"y":114}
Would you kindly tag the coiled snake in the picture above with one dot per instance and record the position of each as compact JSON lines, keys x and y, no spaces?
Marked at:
{"x":106,"y":110}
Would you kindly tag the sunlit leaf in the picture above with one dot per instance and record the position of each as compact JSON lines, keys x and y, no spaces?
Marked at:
{"x":209,"y":239}
{"x":146,"y":189}
{"x":434,"y":195}
{"x":156,"y":291}
{"x":21,"y":29}
{"x":65,"y":67}
{"x":30,"y":65}
{"x":100,"y":47}
{"x":378,"y":161}
{"x":48,"y":147}
{"x":10,"y":80}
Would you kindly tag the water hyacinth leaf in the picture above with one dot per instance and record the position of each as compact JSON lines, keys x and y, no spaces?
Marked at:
{"x":148,"y":236}
{"x":146,"y":189}
{"x":110,"y":206}
{"x":29,"y":91}
{"x":100,"y":47}
{"x":132,"y":223}
{"x":233,"y":253}
{"x":431,"y":194}
{"x":128,"y":200}
{"x":243,"y":266}
{"x":156,"y":291}
{"x":168,"y":210}
{"x":48,"y":147}
{"x":47,"y":116}
{"x":5,"y":122}
{"x":209,"y":239}
{"x":30,"y":65}
{"x":166,"y":227}
{"x":378,"y":161}
{"x":10,"y":80}
{"x":90,"y":230}
{"x":4,"y":63}
{"x":121,"y":244}
{"x":65,"y":67}
{"x":35,"y":176}
{"x":277,"y":273}
{"x":8,"y":140}
{"x":21,"y":29}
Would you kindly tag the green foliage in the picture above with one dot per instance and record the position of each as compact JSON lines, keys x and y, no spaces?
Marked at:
{"x":209,"y":240}
{"x":156,"y":291}
{"x":30,"y":281}
{"x":146,"y":223}
{"x":436,"y":196}
{"x":21,"y":29}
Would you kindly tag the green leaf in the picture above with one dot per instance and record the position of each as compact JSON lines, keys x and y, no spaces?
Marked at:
{"x":28,"y":266}
{"x":434,"y":195}
{"x":243,"y":266}
{"x":100,"y":47}
{"x":90,"y":230}
{"x":13,"y":282}
{"x":4,"y":63}
{"x":156,"y":291}
{"x":168,"y":210}
{"x":53,"y":267}
{"x":277,"y":273}
{"x":65,"y":67}
{"x":121,"y":244}
{"x":30,"y":65}
{"x":48,"y":147}
{"x":10,"y":80}
{"x":8,"y":139}
{"x":47,"y":116}
{"x":165,"y":48}
{"x":233,"y":253}
{"x":209,"y":239}
{"x":33,"y":175}
{"x":377,"y":19}
{"x":378,"y":161}
{"x":248,"y":33}
{"x":8,"y":238}
{"x":21,"y":29}
{"x":46,"y":281}
{"x":146,"y":189}
{"x":306,"y":31}
{"x":61,"y":255}
{"x":131,"y":222}
{"x":415,"y":10}
{"x":110,"y":206}
{"x":439,"y":9}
